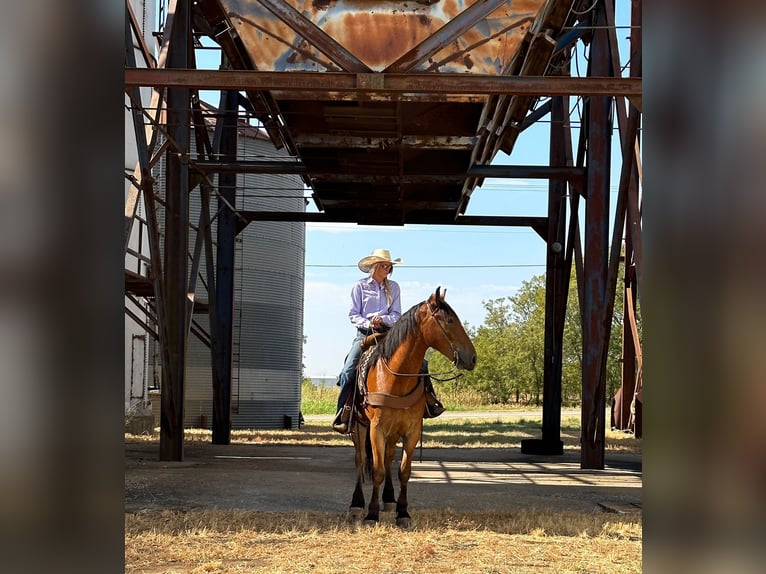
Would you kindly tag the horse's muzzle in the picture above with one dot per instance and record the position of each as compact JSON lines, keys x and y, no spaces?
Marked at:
{"x":465,"y":360}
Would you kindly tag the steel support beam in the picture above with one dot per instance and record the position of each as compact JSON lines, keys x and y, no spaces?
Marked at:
{"x":176,"y":243}
{"x":596,"y":253}
{"x":539,"y":224}
{"x":385,"y":84}
{"x":226,"y":138}
{"x":556,"y":292}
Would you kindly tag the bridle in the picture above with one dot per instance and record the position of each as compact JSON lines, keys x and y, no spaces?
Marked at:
{"x":453,"y":371}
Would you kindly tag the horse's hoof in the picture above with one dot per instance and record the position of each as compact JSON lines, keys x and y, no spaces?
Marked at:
{"x":389,"y":506}
{"x":355,"y":514}
{"x":370,"y":523}
{"x":403,"y":522}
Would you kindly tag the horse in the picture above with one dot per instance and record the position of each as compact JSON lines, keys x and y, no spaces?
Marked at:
{"x":395,"y":401}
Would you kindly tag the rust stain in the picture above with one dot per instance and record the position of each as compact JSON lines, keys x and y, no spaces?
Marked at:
{"x":322,"y":4}
{"x":379,"y":32}
{"x":380,"y":39}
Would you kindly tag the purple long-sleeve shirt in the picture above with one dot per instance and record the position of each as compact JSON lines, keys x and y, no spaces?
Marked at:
{"x":368,"y":300}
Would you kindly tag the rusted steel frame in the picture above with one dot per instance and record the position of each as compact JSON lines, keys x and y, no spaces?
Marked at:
{"x":366,"y":96}
{"x":322,"y":41}
{"x":536,"y":114}
{"x":204,"y":235}
{"x":141,"y":323}
{"x":454,"y":56}
{"x":596,"y":256}
{"x":388,"y":202}
{"x":452,"y":29}
{"x":557,"y":284}
{"x":205,"y":147}
{"x":526,"y":62}
{"x":176,"y":242}
{"x":620,"y":105}
{"x":626,"y":179}
{"x":250,"y":166}
{"x":288,"y":167}
{"x":639,"y":379}
{"x":353,"y":177}
{"x":537,"y":223}
{"x":231,"y":45}
{"x":146,"y":326}
{"x":556,"y":291}
{"x":150,"y":130}
{"x":571,"y":36}
{"x":147,"y":186}
{"x":560,"y":171}
{"x":628,"y":366}
{"x":141,"y":172}
{"x":131,"y":17}
{"x":574,"y":252}
{"x":535,"y":63}
{"x":634,"y":210}
{"x":383,"y":83}
{"x":159,"y":153}
{"x":170,"y":142}
{"x":359,"y":142}
{"x":225,"y":145}
{"x":156,"y":127}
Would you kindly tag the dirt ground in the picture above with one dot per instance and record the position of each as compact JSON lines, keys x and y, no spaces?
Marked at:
{"x":284,"y":478}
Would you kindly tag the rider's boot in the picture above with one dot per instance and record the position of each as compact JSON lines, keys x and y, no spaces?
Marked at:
{"x":433,"y":406}
{"x":343,"y":416}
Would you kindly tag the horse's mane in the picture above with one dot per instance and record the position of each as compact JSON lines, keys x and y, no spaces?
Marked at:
{"x":406,"y":324}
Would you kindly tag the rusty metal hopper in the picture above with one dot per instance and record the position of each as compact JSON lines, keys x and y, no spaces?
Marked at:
{"x":389,"y":158}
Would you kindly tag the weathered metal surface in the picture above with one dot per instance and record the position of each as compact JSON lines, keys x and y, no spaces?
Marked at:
{"x":389,"y":87}
{"x":341,"y":35}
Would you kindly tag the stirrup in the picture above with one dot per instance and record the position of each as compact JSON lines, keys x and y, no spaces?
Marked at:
{"x":433,"y":410}
{"x":340,"y":424}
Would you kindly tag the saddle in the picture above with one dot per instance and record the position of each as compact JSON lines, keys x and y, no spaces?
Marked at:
{"x":359,"y":396}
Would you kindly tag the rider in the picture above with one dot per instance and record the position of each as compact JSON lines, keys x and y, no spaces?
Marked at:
{"x":375,"y":307}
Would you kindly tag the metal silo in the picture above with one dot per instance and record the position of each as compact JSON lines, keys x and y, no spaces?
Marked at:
{"x":268,"y":303}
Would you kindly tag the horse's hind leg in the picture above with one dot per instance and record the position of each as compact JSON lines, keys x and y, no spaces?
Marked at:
{"x":389,"y":496}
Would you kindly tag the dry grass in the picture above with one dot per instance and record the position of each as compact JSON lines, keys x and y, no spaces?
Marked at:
{"x":437,"y":433}
{"x":441,"y":541}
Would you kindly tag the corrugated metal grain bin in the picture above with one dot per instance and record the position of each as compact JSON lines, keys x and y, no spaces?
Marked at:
{"x":268,"y":305}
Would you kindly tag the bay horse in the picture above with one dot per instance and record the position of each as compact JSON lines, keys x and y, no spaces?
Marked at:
{"x":395,"y":401}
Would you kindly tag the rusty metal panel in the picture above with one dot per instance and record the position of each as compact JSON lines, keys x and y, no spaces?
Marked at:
{"x":372,"y":35}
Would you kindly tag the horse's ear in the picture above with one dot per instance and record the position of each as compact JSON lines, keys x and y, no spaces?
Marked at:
{"x":434,"y":299}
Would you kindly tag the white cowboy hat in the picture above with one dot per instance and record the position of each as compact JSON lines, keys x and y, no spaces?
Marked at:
{"x":378,"y":256}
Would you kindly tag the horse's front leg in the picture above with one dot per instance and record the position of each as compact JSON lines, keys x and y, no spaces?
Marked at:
{"x":378,"y":475}
{"x":389,"y":496}
{"x":356,"y":510}
{"x":405,"y":469}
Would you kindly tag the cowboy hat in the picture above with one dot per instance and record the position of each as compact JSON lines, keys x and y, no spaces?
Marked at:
{"x":378,"y":256}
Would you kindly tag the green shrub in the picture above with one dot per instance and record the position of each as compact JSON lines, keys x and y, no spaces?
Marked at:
{"x":318,"y":400}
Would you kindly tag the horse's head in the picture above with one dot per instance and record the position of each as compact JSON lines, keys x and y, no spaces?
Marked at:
{"x":444,"y":331}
